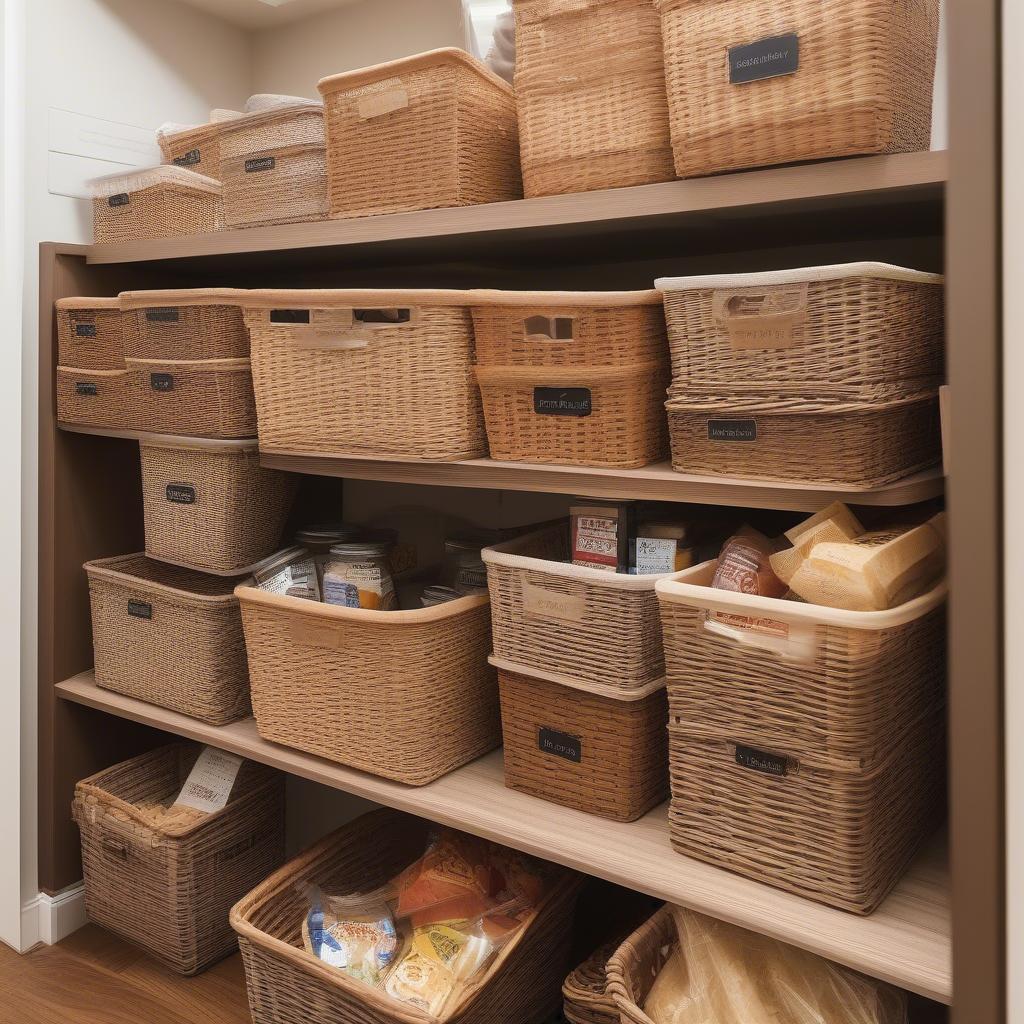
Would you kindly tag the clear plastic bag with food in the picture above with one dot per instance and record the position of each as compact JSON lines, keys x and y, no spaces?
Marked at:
{"x":744,"y":566}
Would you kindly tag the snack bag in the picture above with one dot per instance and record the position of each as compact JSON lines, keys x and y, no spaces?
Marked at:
{"x":452,"y":876}
{"x":421,"y":981}
{"x":744,"y":565}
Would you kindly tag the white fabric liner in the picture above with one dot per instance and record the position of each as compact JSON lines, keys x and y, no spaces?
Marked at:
{"x":834,"y":272}
{"x":165,"y":174}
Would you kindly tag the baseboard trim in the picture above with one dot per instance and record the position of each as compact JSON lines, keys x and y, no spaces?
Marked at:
{"x":49,"y":919}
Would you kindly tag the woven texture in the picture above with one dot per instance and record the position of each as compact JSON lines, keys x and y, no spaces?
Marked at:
{"x":590,"y":85}
{"x":164,"y":210}
{"x":632,"y":968}
{"x":169,"y":636}
{"x":286,"y":186}
{"x":167,"y":882}
{"x":287,"y":985}
{"x":864,"y":83}
{"x":419,"y":701}
{"x":622,"y":769}
{"x":422,"y":134}
{"x":90,"y":334}
{"x":185,"y":332}
{"x":213,"y":510}
{"x":197,"y":149}
{"x":586,"y":1000}
{"x":93,"y":398}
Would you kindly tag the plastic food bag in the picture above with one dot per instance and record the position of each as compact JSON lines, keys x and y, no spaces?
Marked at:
{"x":453,"y":874}
{"x":744,"y":565}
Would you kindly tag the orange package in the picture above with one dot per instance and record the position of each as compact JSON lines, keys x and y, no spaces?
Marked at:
{"x":744,"y":566}
{"x":453,"y":876}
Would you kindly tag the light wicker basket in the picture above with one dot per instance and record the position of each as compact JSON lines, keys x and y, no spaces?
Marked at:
{"x":330,"y":380}
{"x":595,"y":628}
{"x":407,"y":695}
{"x":833,"y":332}
{"x":90,"y":334}
{"x":287,"y":985}
{"x":161,"y":202}
{"x":585,"y":996}
{"x":584,"y":745}
{"x":869,"y":443}
{"x":862,"y":84}
{"x":590,"y":87}
{"x":806,"y":744}
{"x":185,"y":324}
{"x":170,"y":637}
{"x":435,"y":130}
{"x":210,"y":506}
{"x":196,"y":148}
{"x":93,"y":398}
{"x":168,"y":884}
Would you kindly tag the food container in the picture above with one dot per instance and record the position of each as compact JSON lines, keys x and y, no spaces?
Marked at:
{"x":187,"y":324}
{"x":90,"y":334}
{"x":93,"y":398}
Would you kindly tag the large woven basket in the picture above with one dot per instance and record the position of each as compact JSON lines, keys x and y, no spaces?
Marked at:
{"x":169,"y":636}
{"x":287,"y":985}
{"x":806,"y":744}
{"x":185,"y":324}
{"x":585,"y":996}
{"x":407,"y":695}
{"x":435,"y":130}
{"x":582,"y":745}
{"x":196,"y":148}
{"x":861,"y":81}
{"x":334,"y":376}
{"x":90,"y":335}
{"x":94,"y":398}
{"x":210,"y":506}
{"x":168,"y":884}
{"x":590,"y":86}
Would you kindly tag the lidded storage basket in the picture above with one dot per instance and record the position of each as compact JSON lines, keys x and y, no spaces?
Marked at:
{"x":170,"y":637}
{"x":94,"y":398}
{"x":806,"y":744}
{"x":366,"y":374}
{"x":196,"y":148}
{"x":590,"y":88}
{"x":434,"y":130}
{"x":185,"y":324}
{"x":90,"y":334}
{"x":760,"y":82}
{"x":166,"y":879}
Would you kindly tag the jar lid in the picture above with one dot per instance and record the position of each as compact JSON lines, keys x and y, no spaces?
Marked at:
{"x":360,"y":549}
{"x":327,"y":533}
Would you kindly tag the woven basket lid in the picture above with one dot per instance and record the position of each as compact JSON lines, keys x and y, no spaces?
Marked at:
{"x":182,"y":297}
{"x":165,"y":174}
{"x":80,"y":302}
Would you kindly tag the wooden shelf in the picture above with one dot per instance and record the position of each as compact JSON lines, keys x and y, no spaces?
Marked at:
{"x":906,"y":942}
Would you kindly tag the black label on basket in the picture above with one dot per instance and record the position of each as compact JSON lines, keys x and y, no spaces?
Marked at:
{"x":189,"y":159}
{"x":767,"y":58}
{"x":760,"y":761}
{"x":162,"y":381}
{"x":121,"y":199}
{"x":163,"y":315}
{"x":289,"y":316}
{"x":181,"y":494}
{"x":85,"y":330}
{"x":140,"y":610}
{"x":732,"y":430}
{"x":562,"y":401}
{"x":261,"y":163}
{"x":84,"y":387}
{"x":561,"y":745}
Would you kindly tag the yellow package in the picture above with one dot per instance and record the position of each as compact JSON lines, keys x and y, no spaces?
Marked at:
{"x":422,"y":981}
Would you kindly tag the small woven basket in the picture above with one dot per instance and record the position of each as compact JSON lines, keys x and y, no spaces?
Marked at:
{"x":585,"y":996}
{"x":287,"y":985}
{"x":435,"y":130}
{"x":836,"y":79}
{"x":167,"y":882}
{"x":185,"y":324}
{"x":90,"y":333}
{"x":170,"y":637}
{"x":93,"y":398}
{"x":210,"y":506}
{"x":196,"y":149}
{"x":590,"y":87}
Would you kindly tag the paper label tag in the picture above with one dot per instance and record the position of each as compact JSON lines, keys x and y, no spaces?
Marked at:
{"x":560,"y":744}
{"x":162,"y":381}
{"x":85,"y":330}
{"x":655,"y":555}
{"x":189,"y":159}
{"x":732,"y":430}
{"x":562,"y":401}
{"x":181,"y":494}
{"x":380,"y":103}
{"x":209,"y":784}
{"x":549,"y":604}
{"x":163,"y":316}
{"x":140,"y":610}
{"x":308,"y":632}
{"x":766,"y":58}
{"x":761,"y":761}
{"x":262,"y":163}
{"x":123,"y":199}
{"x":298,"y":574}
{"x":85,"y":387}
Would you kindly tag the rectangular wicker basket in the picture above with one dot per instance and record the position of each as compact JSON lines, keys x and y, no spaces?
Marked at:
{"x":806,"y":744}
{"x":196,"y":149}
{"x":210,"y":506}
{"x":584,"y":993}
{"x":93,"y":398}
{"x":836,"y":79}
{"x":366,"y":374}
{"x":590,"y":86}
{"x":169,"y":636}
{"x":434,"y":130}
{"x":90,"y":334}
{"x":185,"y":324}
{"x":287,"y":985}
{"x":407,"y":695}
{"x":169,"y":885}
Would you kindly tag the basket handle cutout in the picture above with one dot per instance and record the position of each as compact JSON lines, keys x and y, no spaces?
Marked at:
{"x":116,"y":846}
{"x":761,"y":318}
{"x":790,"y":641}
{"x":550,"y":328}
{"x":541,"y":603}
{"x":379,"y":104}
{"x":335,"y":330}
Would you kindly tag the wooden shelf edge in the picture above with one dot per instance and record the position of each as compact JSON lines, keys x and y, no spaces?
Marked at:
{"x":907,"y":942}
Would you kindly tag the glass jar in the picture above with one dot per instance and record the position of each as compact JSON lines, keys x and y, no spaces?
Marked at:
{"x":318,"y":541}
{"x":463,"y":568}
{"x":358,"y":575}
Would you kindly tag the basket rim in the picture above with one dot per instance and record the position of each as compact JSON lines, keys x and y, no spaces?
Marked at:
{"x":204,"y":444}
{"x":78,"y":371}
{"x":616,"y":969}
{"x":281,"y":112}
{"x":798,"y":275}
{"x":180,"y":133}
{"x":347,"y":298}
{"x":159,"y":298}
{"x":192,"y":365}
{"x":597,"y":689}
{"x":599,"y":300}
{"x":107,"y":569}
{"x":163,"y":174}
{"x":86,"y":302}
{"x":565,"y":375}
{"x":798,"y":406}
{"x":277,"y":152}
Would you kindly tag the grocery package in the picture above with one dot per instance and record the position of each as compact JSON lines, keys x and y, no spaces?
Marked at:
{"x":744,"y":565}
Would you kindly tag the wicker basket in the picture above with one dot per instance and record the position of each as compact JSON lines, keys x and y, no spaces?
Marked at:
{"x":169,"y":636}
{"x":832,"y":79}
{"x":420,"y":699}
{"x":632,"y":968}
{"x":93,"y":398}
{"x":333,"y":377}
{"x":806,"y":744}
{"x":162,"y":202}
{"x":584,"y":746}
{"x":90,"y":334}
{"x":186,"y":324}
{"x":840,"y":332}
{"x":287,"y":985}
{"x":590,"y":86}
{"x":869,"y":443}
{"x":585,"y":996}
{"x":168,"y":885}
{"x":196,"y":148}
{"x":210,"y":506}
{"x":435,"y":130}
{"x":595,"y":628}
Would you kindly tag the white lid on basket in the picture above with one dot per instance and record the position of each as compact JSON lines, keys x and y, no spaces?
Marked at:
{"x":165,"y":174}
{"x":832,"y":272}
{"x":263,"y":101}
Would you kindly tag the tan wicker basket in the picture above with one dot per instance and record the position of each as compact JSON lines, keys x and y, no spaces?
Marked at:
{"x":185,"y":324}
{"x":869,"y":443}
{"x":169,"y":636}
{"x":93,"y":398}
{"x":210,"y":506}
{"x":837,"y":332}
{"x":585,"y":996}
{"x":419,"y":701}
{"x":595,"y":628}
{"x":435,"y":130}
{"x":167,"y":882}
{"x":90,"y":334}
{"x":287,"y":985}
{"x":590,"y":86}
{"x":334,"y":376}
{"x":162,"y":202}
{"x":832,"y":79}
{"x":196,"y":148}
{"x":806,"y":744}
{"x":584,"y":746}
